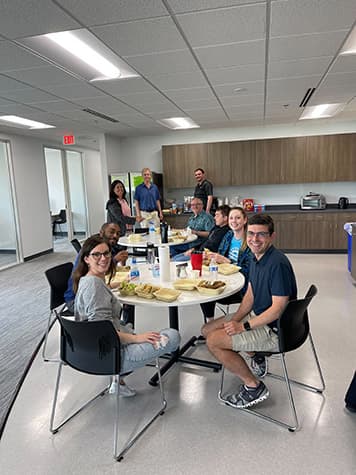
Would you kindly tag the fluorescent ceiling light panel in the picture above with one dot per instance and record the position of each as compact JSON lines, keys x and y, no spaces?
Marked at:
{"x":350,"y":44}
{"x":79,"y":52}
{"x":27,"y":123}
{"x":84,"y":52}
{"x":321,"y":111}
{"x":179,"y":123}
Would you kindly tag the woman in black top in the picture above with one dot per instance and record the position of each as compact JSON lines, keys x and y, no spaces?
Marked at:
{"x":118,"y":210}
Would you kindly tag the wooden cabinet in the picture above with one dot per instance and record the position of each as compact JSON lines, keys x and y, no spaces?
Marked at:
{"x":311,"y":231}
{"x":218,"y":169}
{"x":312,"y":159}
{"x":243,"y":162}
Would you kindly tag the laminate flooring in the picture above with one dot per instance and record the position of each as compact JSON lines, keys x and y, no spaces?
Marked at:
{"x":197,"y":434}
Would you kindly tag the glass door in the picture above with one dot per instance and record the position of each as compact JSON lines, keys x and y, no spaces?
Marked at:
{"x":66,"y":194}
{"x":9,"y":249}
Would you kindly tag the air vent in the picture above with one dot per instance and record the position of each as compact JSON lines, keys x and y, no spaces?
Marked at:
{"x":307,"y":97}
{"x":100,"y":115}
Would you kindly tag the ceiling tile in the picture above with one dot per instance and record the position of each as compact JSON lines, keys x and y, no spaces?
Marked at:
{"x":247,"y":73}
{"x":178,"y":80}
{"x":13,"y":57}
{"x":184,"y":6}
{"x":124,"y":86}
{"x":45,"y":76}
{"x":242,"y":99}
{"x":141,"y":37}
{"x":194,"y":93}
{"x":344,"y":64}
{"x":300,"y":67}
{"x":306,"y":46}
{"x":296,"y":17}
{"x":224,"y":56}
{"x":29,"y":95}
{"x":33,"y":17}
{"x":227,"y":90}
{"x":164,"y":62}
{"x":79,"y":90}
{"x":91,"y":12}
{"x":9,"y":84}
{"x":290,"y":89}
{"x":228,"y":25}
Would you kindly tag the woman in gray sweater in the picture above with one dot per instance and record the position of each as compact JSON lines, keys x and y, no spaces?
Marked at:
{"x":95,"y":301}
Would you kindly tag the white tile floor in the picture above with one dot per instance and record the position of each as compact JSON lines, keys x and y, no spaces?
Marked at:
{"x":197,"y":434}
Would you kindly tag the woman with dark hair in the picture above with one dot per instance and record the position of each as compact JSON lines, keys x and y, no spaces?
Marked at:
{"x":233,"y":249}
{"x":95,"y":301}
{"x":118,"y":209}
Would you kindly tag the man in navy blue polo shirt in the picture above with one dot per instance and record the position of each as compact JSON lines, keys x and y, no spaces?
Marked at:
{"x":271,"y":285}
{"x":147,"y":201}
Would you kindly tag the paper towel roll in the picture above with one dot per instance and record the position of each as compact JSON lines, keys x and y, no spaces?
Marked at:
{"x":164,"y":264}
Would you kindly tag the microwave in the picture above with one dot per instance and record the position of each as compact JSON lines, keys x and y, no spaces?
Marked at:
{"x":313,"y":201}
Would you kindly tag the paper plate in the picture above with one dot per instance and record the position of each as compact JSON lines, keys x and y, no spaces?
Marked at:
{"x":227,"y":269}
{"x":185,"y":284}
{"x":167,"y":295}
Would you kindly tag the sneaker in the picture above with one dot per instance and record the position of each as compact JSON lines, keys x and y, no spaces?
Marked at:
{"x":247,"y":397}
{"x":200,"y":340}
{"x":126,"y":391}
{"x":259,"y":366}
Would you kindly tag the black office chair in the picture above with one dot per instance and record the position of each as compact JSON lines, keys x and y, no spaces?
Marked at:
{"x":76,"y":244}
{"x":57,"y":277}
{"x":94,"y":348}
{"x":62,"y":219}
{"x":294,"y":330}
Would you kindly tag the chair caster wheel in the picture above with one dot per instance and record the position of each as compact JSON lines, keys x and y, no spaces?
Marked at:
{"x":216,"y":370}
{"x":161,"y":413}
{"x":119,"y":459}
{"x":152,"y":383}
{"x":291,"y":430}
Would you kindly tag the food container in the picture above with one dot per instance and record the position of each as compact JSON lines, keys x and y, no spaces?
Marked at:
{"x":259,"y":208}
{"x":248,"y":204}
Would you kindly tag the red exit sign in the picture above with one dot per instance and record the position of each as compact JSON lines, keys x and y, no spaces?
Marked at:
{"x":68,"y":140}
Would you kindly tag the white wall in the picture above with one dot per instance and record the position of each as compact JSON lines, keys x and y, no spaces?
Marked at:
{"x":31,"y":192}
{"x":136,"y":152}
{"x":96,"y":195}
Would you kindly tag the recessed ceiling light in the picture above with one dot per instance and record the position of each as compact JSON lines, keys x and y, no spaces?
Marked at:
{"x":321,"y":111}
{"x":350,"y":44}
{"x":81,"y":53}
{"x":177,"y":123}
{"x":77,"y":47}
{"x":27,"y":123}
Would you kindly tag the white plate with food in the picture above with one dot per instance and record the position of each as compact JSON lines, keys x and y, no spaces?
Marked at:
{"x":228,"y":269}
{"x":186,"y":284}
{"x":146,"y":291}
{"x":211,"y":287}
{"x":167,"y":295}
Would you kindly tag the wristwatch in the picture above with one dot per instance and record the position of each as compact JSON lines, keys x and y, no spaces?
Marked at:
{"x":247,"y":326}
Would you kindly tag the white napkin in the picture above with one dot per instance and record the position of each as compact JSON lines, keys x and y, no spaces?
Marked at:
{"x":164,"y":264}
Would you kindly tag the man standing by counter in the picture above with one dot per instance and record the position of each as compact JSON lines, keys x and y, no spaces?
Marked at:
{"x":203,"y":189}
{"x":147,"y":200}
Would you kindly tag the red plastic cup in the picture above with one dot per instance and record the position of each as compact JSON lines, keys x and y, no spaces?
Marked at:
{"x":196,"y":259}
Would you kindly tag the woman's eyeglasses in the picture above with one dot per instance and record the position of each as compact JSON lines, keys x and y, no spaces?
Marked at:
{"x":97,"y":255}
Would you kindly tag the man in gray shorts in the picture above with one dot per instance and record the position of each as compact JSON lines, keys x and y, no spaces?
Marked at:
{"x":254,"y":326}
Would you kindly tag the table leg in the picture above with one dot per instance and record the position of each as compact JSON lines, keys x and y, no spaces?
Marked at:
{"x":178,"y":354}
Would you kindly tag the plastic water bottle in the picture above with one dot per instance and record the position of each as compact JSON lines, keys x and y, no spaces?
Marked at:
{"x":151,"y":230}
{"x":213,"y":269}
{"x":150,"y":254}
{"x":134,"y":272}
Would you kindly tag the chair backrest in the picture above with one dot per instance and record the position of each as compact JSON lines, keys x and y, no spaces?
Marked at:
{"x":293,"y":324}
{"x":90,"y":347}
{"x":58,"y":281}
{"x":76,"y":244}
{"x":140,"y":230}
{"x":63,"y":215}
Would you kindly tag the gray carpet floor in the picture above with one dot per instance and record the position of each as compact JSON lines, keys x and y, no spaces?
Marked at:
{"x":24,"y":311}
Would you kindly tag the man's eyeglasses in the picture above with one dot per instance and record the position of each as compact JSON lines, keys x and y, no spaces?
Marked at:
{"x":97,"y":255}
{"x":259,"y":234}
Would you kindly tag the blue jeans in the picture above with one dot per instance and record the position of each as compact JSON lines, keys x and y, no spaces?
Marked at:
{"x":181,"y":258}
{"x":137,"y":355}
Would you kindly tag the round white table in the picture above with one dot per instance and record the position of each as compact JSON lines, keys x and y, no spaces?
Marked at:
{"x":234,"y":283}
{"x":155,"y":240}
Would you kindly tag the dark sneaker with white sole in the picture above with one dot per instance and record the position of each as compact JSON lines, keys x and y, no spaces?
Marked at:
{"x":247,"y":397}
{"x":259,"y":366}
